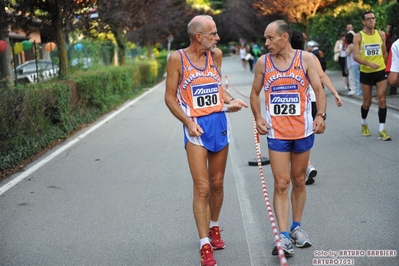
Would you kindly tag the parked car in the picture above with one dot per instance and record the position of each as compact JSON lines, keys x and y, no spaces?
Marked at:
{"x":28,"y":72}
{"x":84,"y":62}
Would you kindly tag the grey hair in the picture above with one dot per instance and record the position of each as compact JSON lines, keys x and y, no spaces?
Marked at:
{"x":283,"y":27}
{"x":196,"y":25}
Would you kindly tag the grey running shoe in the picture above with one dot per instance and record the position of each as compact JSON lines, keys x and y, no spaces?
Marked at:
{"x":311,"y":173}
{"x":286,"y":245}
{"x":300,"y":238}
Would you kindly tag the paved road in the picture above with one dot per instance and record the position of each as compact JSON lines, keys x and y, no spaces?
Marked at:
{"x":119,"y":192}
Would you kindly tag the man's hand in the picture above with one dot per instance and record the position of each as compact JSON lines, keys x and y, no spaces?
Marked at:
{"x":262,"y":127}
{"x":236,"y":105}
{"x":194,"y":130}
{"x":373,"y":65}
{"x":338,"y":100}
{"x":318,"y":125}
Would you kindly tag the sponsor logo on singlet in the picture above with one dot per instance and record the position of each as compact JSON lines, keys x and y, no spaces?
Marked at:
{"x":199,"y":74}
{"x":204,"y":89}
{"x":285,"y":87}
{"x":278,"y":76}
{"x":284,"y":98}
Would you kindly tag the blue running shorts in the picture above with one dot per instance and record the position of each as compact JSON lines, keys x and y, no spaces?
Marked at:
{"x":297,"y":146}
{"x":216,"y":134}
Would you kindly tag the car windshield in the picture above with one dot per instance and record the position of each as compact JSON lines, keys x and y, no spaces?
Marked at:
{"x":31,"y":66}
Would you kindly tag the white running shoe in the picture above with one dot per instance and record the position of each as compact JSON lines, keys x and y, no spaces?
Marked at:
{"x":311,"y":173}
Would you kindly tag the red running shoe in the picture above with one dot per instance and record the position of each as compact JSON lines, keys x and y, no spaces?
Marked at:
{"x":207,"y":256}
{"x":216,"y":238}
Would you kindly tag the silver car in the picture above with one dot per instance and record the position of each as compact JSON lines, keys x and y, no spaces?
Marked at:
{"x":30,"y":72}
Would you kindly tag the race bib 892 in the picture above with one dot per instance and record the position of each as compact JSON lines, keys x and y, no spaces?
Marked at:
{"x":372,"y":49}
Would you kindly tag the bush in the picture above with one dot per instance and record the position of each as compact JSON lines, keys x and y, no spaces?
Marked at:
{"x":225,"y":49}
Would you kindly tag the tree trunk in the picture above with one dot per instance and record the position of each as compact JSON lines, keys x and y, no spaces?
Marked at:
{"x":6,"y":77}
{"x":149,"y":51}
{"x":121,"y":54}
{"x":120,"y":40}
{"x":61,"y":44}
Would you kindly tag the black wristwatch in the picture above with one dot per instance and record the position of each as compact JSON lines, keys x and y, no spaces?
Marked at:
{"x":323,"y":115}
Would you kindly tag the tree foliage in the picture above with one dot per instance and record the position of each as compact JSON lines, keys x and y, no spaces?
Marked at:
{"x":241,"y":20}
{"x":144,"y":22}
{"x":56,"y":13}
{"x":296,"y":11}
{"x":153,"y":22}
{"x":159,"y":25}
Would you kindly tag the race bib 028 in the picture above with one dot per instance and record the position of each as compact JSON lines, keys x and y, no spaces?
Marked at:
{"x":285,"y":104}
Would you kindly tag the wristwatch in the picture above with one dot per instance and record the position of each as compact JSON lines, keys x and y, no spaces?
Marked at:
{"x":323,"y":115}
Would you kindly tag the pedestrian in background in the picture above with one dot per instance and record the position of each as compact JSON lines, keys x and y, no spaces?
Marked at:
{"x":194,"y":95}
{"x":388,"y":37}
{"x":370,"y":52}
{"x":298,"y":42}
{"x":349,"y":27}
{"x":233,"y":51}
{"x":256,"y":52}
{"x":250,"y":57}
{"x":243,"y":55}
{"x":313,"y":47}
{"x":353,"y":68}
{"x":340,"y":48}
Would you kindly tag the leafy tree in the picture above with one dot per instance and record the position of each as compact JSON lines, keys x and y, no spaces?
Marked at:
{"x":56,"y":13}
{"x":296,"y":11}
{"x":219,"y":4}
{"x":122,"y":16}
{"x":241,"y":20}
{"x":159,"y":21}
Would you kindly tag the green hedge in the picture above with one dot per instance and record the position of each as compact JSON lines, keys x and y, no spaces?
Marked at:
{"x":34,"y":116}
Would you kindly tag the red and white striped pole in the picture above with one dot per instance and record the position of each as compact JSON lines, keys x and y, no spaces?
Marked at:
{"x":283,"y":260}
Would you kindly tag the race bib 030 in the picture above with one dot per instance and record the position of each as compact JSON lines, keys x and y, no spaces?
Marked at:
{"x":205,"y":95}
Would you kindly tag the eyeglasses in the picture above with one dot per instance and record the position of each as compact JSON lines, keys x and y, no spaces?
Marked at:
{"x":210,"y":33}
{"x":368,"y":19}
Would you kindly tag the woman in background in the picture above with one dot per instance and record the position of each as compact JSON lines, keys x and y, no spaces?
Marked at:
{"x":340,"y":48}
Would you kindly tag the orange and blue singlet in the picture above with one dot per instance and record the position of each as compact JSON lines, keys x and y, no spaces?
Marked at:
{"x":287,"y":100}
{"x":199,"y":94}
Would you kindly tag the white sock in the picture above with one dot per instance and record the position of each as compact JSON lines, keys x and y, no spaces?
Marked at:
{"x":364,"y":122}
{"x":212,"y":224}
{"x":382,"y":126}
{"x":204,"y":241}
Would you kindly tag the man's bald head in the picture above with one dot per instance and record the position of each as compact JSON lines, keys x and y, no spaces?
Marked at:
{"x":197,"y":24}
{"x":281,"y":27}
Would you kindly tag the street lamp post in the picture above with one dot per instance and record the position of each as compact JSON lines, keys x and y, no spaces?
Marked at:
{"x":170,"y":40}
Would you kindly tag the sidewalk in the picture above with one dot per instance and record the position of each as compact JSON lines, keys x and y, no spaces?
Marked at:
{"x":336,"y":79}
